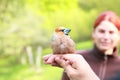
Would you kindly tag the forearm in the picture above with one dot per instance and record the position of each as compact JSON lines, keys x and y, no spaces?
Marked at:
{"x":88,"y":76}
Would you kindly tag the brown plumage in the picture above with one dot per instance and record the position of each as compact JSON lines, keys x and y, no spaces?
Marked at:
{"x":61,"y":42}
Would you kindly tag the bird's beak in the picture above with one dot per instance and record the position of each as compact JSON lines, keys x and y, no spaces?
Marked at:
{"x":66,"y":31}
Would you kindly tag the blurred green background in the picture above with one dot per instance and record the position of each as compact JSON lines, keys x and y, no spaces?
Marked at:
{"x":26,"y":28}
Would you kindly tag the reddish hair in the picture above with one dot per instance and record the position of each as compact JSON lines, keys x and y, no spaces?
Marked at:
{"x":110,"y":16}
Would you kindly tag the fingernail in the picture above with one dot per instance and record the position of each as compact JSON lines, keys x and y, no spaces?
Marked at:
{"x":67,"y":62}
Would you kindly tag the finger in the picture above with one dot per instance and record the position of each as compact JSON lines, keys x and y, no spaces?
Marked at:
{"x":65,"y":65}
{"x":45,"y":58}
{"x":60,"y":61}
{"x":51,"y":59}
{"x":69,"y":69}
{"x":73,"y":57}
{"x":56,"y":65}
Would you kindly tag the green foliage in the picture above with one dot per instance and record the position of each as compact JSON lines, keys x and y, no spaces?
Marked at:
{"x":32,"y":22}
{"x":94,"y":4}
{"x":10,"y":9}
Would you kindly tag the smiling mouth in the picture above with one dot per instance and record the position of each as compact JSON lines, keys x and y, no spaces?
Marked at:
{"x":105,"y":44}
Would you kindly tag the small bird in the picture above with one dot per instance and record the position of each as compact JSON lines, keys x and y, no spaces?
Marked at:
{"x":61,"y":41}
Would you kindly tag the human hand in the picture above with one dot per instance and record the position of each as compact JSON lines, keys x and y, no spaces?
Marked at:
{"x":50,"y":59}
{"x":76,"y":67}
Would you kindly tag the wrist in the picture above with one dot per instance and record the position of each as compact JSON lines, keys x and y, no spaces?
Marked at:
{"x":90,"y":76}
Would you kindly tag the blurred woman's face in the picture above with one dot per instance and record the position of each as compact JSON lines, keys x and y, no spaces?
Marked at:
{"x":106,"y":36}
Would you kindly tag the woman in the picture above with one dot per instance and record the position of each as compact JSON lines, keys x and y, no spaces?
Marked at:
{"x":103,"y":58}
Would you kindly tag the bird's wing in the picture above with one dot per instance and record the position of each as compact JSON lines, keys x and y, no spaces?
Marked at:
{"x":62,"y":44}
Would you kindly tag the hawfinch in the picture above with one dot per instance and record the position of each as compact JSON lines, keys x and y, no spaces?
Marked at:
{"x":61,"y":42}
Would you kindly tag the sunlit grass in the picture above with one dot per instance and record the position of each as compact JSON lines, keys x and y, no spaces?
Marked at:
{"x":29,"y":73}
{"x":26,"y":72}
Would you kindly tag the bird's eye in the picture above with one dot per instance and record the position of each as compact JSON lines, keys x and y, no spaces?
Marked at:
{"x":62,"y":30}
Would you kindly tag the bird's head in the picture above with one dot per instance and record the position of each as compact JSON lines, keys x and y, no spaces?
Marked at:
{"x":62,"y":30}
